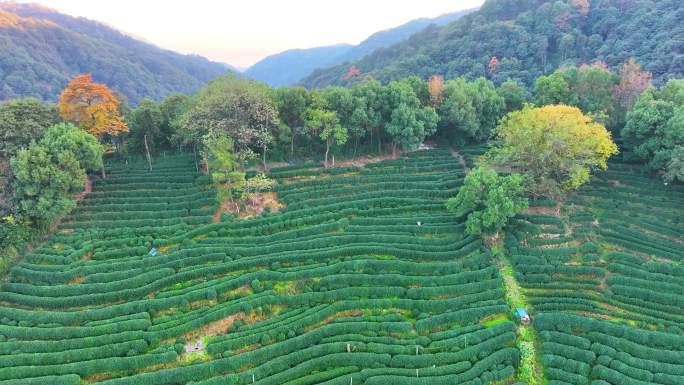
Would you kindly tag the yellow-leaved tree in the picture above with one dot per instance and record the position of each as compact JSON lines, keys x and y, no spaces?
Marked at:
{"x":93,"y":107}
{"x":556,"y":145}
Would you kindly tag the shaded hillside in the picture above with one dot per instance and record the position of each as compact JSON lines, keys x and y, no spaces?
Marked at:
{"x":287,"y":68}
{"x":394,"y":35}
{"x":42,"y":49}
{"x":533,"y":37}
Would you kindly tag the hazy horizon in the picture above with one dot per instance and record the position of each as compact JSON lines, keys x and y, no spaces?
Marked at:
{"x":242,"y":34}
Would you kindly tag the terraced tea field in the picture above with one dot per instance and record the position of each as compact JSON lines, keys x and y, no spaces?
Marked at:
{"x":361,"y":278}
{"x":606,"y":281}
{"x":364,"y":278}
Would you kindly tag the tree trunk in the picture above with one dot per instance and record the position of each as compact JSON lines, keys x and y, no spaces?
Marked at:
{"x":264,"y":159}
{"x":327,"y":149}
{"x":370,"y":148}
{"x":379,"y":144}
{"x":194,"y":153}
{"x":394,"y":150}
{"x":104,"y":175}
{"x":356,"y":146}
{"x":292,"y":145}
{"x":147,"y":151}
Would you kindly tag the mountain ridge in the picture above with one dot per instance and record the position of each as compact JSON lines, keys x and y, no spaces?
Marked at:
{"x":43,"y":56}
{"x":290,"y":66}
{"x":530,"y":38}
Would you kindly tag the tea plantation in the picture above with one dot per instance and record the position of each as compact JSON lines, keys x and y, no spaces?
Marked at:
{"x":362,"y":277}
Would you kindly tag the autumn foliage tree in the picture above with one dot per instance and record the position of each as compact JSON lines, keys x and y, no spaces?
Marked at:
{"x":352,"y":72}
{"x":92,"y":106}
{"x":556,"y":145}
{"x":633,"y":81}
{"x":436,"y":89}
{"x":493,"y":65}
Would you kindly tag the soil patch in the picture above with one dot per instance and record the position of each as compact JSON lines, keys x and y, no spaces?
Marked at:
{"x":461,"y":159}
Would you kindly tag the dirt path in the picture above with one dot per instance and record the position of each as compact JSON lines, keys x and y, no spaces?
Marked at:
{"x":460,"y":158}
{"x":86,"y":190}
{"x":530,"y":370}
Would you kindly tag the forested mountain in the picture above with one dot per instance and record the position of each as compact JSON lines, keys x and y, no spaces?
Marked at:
{"x":42,"y":49}
{"x":288,"y":67}
{"x":529,"y":38}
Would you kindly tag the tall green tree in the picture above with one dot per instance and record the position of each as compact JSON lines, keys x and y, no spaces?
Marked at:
{"x":47,"y":174}
{"x":553,"y":89}
{"x":589,"y":87}
{"x":22,"y":122}
{"x":409,"y":122}
{"x":325,"y":124}
{"x":291,"y":103}
{"x":470,"y":110}
{"x":489,"y":200}
{"x":513,"y":94}
{"x":145,"y":123}
{"x":224,"y":166}
{"x":655,"y":126}
{"x":242,"y":109}
{"x":172,"y":109}
{"x":367,"y":117}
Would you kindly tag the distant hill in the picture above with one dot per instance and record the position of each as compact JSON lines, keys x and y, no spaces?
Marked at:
{"x":530,"y":38}
{"x":288,"y":67}
{"x":42,"y":49}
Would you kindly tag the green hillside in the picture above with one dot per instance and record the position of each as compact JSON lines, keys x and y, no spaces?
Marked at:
{"x":42,"y":49}
{"x":423,"y":231}
{"x":530,"y":38}
{"x":361,"y":277}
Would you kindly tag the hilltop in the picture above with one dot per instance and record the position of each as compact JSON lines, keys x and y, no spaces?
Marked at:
{"x":42,"y":49}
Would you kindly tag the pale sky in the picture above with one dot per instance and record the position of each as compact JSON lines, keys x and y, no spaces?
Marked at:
{"x":243,"y":32}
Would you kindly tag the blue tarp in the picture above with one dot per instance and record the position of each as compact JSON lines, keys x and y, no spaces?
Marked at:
{"x":153,"y":252}
{"x":521,"y":312}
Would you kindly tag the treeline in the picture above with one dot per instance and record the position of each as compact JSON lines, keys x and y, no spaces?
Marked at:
{"x":293,"y":123}
{"x":235,"y":122}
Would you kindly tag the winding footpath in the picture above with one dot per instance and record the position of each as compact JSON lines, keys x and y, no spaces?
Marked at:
{"x":530,"y":370}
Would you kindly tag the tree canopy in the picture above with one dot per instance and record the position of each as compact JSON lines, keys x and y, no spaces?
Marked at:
{"x":92,"y":106}
{"x":23,"y":121}
{"x":655,"y":126}
{"x":489,"y":200}
{"x":556,"y":145}
{"x":47,"y":174}
{"x":240,"y":108}
{"x":470,"y":110}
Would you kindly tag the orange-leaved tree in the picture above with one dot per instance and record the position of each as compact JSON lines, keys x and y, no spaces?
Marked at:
{"x":92,"y":106}
{"x":436,"y":90}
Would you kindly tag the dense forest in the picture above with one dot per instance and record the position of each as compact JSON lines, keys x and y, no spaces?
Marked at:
{"x":523,"y":40}
{"x":42,"y":49}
